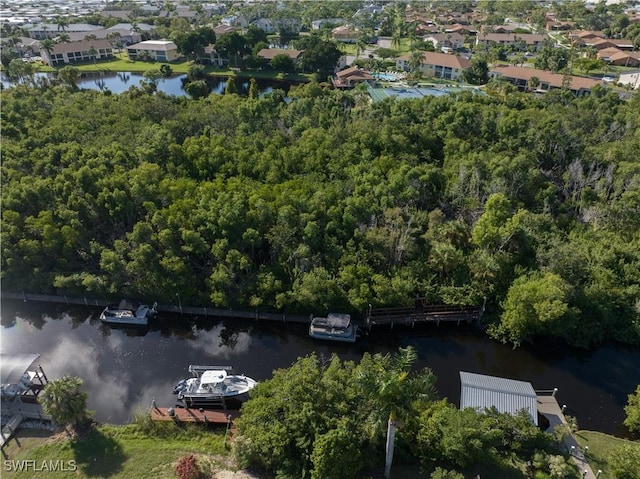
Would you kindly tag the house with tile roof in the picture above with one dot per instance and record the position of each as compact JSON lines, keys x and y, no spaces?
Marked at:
{"x":437,"y":65}
{"x":546,"y":81}
{"x":349,"y":77}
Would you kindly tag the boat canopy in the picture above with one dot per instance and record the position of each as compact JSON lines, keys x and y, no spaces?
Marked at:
{"x":338,"y":320}
{"x":214,"y":376}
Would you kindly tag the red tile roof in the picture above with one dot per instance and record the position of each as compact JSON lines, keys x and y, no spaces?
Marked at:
{"x":553,"y":79}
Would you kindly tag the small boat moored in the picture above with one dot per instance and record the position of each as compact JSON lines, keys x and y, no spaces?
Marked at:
{"x":128,"y":313}
{"x":335,"y":327}
{"x":212,"y":385}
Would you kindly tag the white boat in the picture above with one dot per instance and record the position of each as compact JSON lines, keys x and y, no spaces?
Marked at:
{"x":335,"y":327}
{"x":129,"y":314}
{"x":212,"y":385}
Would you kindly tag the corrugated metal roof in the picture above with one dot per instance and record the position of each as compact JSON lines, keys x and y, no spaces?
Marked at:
{"x":506,"y":395}
{"x":13,"y":366}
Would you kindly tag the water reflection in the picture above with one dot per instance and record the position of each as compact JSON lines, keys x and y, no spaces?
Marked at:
{"x":174,"y":85}
{"x":124,"y":369}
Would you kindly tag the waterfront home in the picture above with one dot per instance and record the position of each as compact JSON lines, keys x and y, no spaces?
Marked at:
{"x":212,"y":57}
{"x":80,"y":51}
{"x":268,"y":54}
{"x":437,"y":65}
{"x":158,"y":50}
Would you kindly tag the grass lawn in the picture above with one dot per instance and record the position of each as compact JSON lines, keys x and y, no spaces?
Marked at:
{"x":119,"y":451}
{"x":600,"y":448}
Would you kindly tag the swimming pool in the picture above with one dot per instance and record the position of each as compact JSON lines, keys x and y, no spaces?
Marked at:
{"x":385,"y":76}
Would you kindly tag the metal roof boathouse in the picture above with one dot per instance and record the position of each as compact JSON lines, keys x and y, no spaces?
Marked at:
{"x":22,"y":381}
{"x":506,"y":395}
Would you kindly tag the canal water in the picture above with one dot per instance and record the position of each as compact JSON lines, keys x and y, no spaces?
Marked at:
{"x":124,"y":370}
{"x":174,"y":85}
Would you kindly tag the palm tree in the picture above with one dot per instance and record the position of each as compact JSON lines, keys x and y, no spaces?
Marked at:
{"x":392,"y":393}
{"x":63,"y":38}
{"x":92,"y":53}
{"x":47,"y":46}
{"x":62,"y":23}
{"x":63,"y":400}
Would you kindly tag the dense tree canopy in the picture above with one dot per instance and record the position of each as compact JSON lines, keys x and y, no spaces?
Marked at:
{"x":335,"y":427}
{"x":325,"y":201}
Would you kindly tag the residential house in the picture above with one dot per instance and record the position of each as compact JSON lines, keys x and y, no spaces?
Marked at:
{"x":521,"y":77}
{"x":270,"y":26}
{"x":461,"y":29}
{"x":52,"y":30}
{"x":445,"y":40}
{"x":585,"y":35}
{"x":158,"y":50}
{"x":125,"y":36}
{"x":533,"y":41}
{"x":139,"y":27}
{"x":559,"y":26}
{"x":69,"y":52}
{"x":317,"y":24}
{"x":269,"y":54}
{"x":615,"y":56}
{"x":224,"y":29}
{"x":631,"y":79}
{"x":438,"y":65}
{"x":212,"y":57}
{"x":235,"y":21}
{"x":345,"y":34}
{"x":349,"y":77}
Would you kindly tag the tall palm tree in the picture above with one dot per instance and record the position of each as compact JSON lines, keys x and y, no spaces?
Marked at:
{"x":62,"y":23}
{"x":63,"y":400}
{"x":392,"y":393}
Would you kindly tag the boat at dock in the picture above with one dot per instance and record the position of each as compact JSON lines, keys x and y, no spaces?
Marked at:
{"x":335,"y":327}
{"x":212,"y":385}
{"x":129,"y":313}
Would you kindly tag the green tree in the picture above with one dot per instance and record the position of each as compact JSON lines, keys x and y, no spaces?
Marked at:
{"x":320,"y":56}
{"x":197,"y":89}
{"x":624,"y":461}
{"x":478,"y":73}
{"x":282,"y":62}
{"x":63,"y":400}
{"x":632,"y":410}
{"x":537,"y":304}
{"x":70,"y":76}
{"x":232,"y":46}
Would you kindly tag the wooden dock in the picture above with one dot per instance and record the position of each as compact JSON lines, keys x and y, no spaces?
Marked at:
{"x":203,"y":416}
{"x":421,"y":312}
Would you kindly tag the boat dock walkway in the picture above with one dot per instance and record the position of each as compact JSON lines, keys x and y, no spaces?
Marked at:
{"x":421,"y":312}
{"x":549,"y":408}
{"x":16,"y":412}
{"x":203,"y":416}
{"x":164,"y":308}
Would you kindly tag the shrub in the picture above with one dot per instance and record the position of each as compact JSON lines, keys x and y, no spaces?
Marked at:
{"x":188,"y":468}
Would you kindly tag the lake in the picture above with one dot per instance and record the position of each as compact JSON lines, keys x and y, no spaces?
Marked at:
{"x":121,"y":81}
{"x":125,"y":370}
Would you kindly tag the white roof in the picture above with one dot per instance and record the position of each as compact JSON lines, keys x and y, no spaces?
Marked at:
{"x":165,"y":45}
{"x":506,"y":395}
{"x":213,"y":376}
